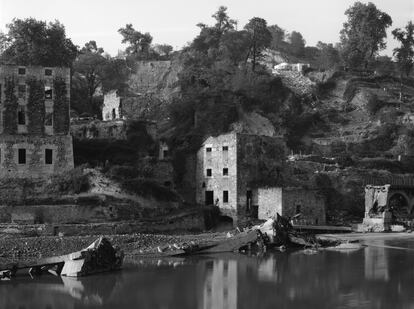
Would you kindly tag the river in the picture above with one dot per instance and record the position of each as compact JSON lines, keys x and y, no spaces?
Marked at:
{"x":380,"y":275}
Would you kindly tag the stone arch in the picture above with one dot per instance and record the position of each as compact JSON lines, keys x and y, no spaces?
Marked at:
{"x":400,"y":204}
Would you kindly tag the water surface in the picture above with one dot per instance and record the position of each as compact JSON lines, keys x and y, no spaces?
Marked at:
{"x":378,"y":276}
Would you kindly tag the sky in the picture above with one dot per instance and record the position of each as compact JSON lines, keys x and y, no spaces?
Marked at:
{"x":174,"y":21}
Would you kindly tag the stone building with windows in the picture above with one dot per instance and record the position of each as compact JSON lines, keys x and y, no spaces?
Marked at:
{"x":34,"y":121}
{"x":230,"y":166}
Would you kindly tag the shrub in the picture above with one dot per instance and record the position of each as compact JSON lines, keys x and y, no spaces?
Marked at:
{"x":374,"y":105}
{"x":149,"y":188}
{"x":122,"y":172}
{"x":72,"y":182}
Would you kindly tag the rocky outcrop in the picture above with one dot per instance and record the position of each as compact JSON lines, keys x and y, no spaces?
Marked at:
{"x":157,"y":78}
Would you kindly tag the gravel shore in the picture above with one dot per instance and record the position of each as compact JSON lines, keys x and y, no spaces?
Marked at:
{"x":14,"y":249}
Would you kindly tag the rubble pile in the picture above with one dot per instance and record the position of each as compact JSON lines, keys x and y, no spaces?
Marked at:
{"x":298,"y":83}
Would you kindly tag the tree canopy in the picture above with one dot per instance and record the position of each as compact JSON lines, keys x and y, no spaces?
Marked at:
{"x":297,"y":43}
{"x":259,"y":37}
{"x":139,"y":43}
{"x":363,"y":34}
{"x":32,"y":42}
{"x":405,"y":53}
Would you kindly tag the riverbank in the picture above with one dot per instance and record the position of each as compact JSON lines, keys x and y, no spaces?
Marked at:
{"x":13,"y":249}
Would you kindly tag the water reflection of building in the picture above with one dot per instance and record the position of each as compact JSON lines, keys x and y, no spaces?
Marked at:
{"x":376,"y":262}
{"x":56,"y":292}
{"x":267,"y":270}
{"x":220,"y":285}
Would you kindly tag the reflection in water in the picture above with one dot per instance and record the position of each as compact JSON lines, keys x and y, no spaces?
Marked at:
{"x":376,"y":262}
{"x":220,"y":284}
{"x":373,"y":277}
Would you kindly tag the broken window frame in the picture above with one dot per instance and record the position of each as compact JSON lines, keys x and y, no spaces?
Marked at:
{"x":209,"y":172}
{"x":225,"y":148}
{"x":225,"y":171}
{"x":209,"y":149}
{"x":21,"y":71}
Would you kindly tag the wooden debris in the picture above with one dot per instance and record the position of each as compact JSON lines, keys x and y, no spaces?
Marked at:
{"x":100,"y":256}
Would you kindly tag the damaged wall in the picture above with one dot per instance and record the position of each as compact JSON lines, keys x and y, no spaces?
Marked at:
{"x":34,"y":126}
{"x":289,"y":202}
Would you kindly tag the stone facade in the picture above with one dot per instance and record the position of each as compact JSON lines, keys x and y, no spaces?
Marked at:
{"x":130,"y":106}
{"x":231,"y":165}
{"x":388,"y":204}
{"x":111,"y":109}
{"x":289,"y":202}
{"x":114,"y":129}
{"x":34,"y":121}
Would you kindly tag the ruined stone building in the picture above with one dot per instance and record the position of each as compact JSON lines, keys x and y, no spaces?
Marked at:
{"x":388,"y":204}
{"x":242,"y":175}
{"x":230,"y":166}
{"x":34,"y":121}
{"x":129,"y":106}
{"x":307,"y":205}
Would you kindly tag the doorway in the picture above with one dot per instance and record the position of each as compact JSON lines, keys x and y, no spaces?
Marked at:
{"x":249,"y":195}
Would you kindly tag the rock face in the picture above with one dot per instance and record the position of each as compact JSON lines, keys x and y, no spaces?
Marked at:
{"x":158,"y":78}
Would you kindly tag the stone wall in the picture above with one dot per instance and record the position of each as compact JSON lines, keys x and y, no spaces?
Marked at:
{"x":269,"y":202}
{"x":114,"y":129}
{"x":99,"y":129}
{"x":35,"y":148}
{"x":186,"y":221}
{"x":163,"y":173}
{"x":290,"y":201}
{"x":260,"y":161}
{"x":311,"y":205}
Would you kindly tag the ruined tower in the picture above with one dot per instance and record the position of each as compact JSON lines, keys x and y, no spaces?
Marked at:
{"x":34,"y":121}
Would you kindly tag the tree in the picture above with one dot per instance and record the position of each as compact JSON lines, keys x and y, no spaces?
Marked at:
{"x":114,"y":75}
{"x":278,"y":37}
{"x":384,"y":65}
{"x":328,"y":55}
{"x":405,"y":53}
{"x":363,"y":34}
{"x":260,"y":38}
{"x":297,"y":43}
{"x":89,"y":65}
{"x":163,"y":49}
{"x":223,"y":22}
{"x":32,"y":42}
{"x":208,"y":40}
{"x":139,"y":43}
{"x":234,"y":46}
